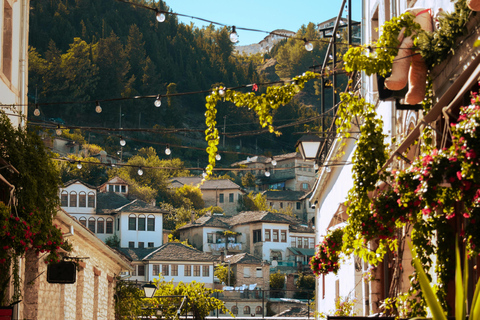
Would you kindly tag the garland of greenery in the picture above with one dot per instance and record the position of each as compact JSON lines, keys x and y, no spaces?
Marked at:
{"x":327,"y":257}
{"x":262,"y":105}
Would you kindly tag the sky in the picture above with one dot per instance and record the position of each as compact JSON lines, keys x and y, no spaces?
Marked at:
{"x":265,"y":15}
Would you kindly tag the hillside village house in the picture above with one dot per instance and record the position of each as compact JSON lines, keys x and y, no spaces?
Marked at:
{"x":221,"y":193}
{"x":287,"y":172}
{"x":452,"y":81}
{"x":263,"y":234}
{"x":295,"y":202}
{"x":107,"y":211}
{"x":172,"y":261}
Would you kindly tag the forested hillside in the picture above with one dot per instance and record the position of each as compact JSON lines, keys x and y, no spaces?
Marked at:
{"x":87,"y":50}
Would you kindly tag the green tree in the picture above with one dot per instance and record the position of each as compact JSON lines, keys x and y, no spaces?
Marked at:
{"x":221,"y":272}
{"x":189,"y":197}
{"x":306,"y":286}
{"x":248,"y":180}
{"x":277,"y":284}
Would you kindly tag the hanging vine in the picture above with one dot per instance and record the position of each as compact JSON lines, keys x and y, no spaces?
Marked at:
{"x":263,"y":105}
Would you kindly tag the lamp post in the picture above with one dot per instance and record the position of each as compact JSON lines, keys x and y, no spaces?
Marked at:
{"x":309,"y":146}
{"x":149,"y":290}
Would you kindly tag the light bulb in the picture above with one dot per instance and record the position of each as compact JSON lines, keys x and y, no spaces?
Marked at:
{"x":308,"y":45}
{"x":160,"y":16}
{"x":315,"y":166}
{"x":221,"y":92}
{"x":158,"y":102}
{"x":218,"y":157}
{"x":204,"y":174}
{"x":267,"y":173}
{"x":122,"y":142}
{"x":328,"y":169}
{"x":58,"y":131}
{"x":79,"y":165}
{"x":36,"y":112}
{"x":168,"y":151}
{"x":274,"y":162}
{"x":234,"y":35}
{"x":330,"y":57}
{"x":98,"y":109}
{"x":140,"y":171}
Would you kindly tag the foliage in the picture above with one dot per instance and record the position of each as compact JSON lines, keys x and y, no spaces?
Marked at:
{"x":277,"y":280}
{"x":130,"y":302}
{"x":327,"y":257}
{"x":262,"y":105}
{"x":113,"y":241}
{"x":221,"y":272}
{"x":248,"y":180}
{"x":253,"y":202}
{"x":345,"y":307}
{"x":188,"y":196}
{"x":91,"y":172}
{"x":306,"y":285}
{"x":27,"y":225}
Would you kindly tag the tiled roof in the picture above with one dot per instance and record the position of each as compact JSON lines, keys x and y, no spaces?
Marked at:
{"x":286,"y":195}
{"x":287,"y":156}
{"x":301,"y":228}
{"x":69,"y":183}
{"x":175,"y":251}
{"x":208,"y":221}
{"x":243,"y":258}
{"x":207,"y":184}
{"x":139,"y":206}
{"x":109,"y":201}
{"x":136,"y":254}
{"x":261,"y":216}
{"x":114,"y":180}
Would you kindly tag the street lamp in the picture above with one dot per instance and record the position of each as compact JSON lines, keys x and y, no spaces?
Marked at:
{"x":309,"y":146}
{"x":149,"y":290}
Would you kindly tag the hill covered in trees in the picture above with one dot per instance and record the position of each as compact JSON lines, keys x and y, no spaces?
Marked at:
{"x":88,"y":50}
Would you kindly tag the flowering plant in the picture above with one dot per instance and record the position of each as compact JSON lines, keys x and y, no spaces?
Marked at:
{"x":327,"y":257}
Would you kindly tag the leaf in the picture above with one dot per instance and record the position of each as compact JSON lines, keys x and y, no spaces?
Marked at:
{"x":459,"y":286}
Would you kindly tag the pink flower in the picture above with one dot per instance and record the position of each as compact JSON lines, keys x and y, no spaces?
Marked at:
{"x":426,"y":211}
{"x":459,"y":175}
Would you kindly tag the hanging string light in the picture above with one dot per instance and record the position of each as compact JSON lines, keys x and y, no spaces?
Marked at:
{"x":204,"y":174}
{"x":221,"y":91}
{"x":36,"y":112}
{"x":308,"y":45}
{"x":167,"y":150}
{"x":122,"y":142}
{"x":234,"y":35}
{"x":158,"y":101}
{"x":218,"y":157}
{"x":274,"y":162}
{"x":160,"y":16}
{"x":140,"y":171}
{"x":98,"y":109}
{"x":79,"y":165}
{"x":267,"y":173}
{"x":58,"y":131}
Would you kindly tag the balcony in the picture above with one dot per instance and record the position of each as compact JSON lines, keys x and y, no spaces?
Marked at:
{"x":232,"y":247}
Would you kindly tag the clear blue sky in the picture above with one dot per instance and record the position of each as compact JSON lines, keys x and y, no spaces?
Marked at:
{"x":266,"y":15}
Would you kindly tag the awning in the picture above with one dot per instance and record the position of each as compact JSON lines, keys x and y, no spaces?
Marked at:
{"x":302,"y":251}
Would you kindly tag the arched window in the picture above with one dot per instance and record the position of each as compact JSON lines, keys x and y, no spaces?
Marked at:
{"x":64,"y":199}
{"x":235,"y":310}
{"x":73,"y":199}
{"x":109,"y":226}
{"x":141,"y":223}
{"x":151,"y":223}
{"x":91,"y":224}
{"x":258,"y":310}
{"x":91,"y":200}
{"x":246,"y":310}
{"x":101,"y":225}
{"x":132,"y":222}
{"x":83,"y":221}
{"x":82,"y":199}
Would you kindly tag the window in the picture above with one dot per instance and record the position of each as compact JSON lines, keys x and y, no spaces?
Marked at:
{"x":275,"y":236}
{"x":271,"y":204}
{"x":246,"y":310}
{"x":283,"y":235}
{"x":100,"y":225}
{"x":141,"y":245}
{"x":7,"y":40}
{"x":117,"y":188}
{"x":150,"y":245}
{"x":258,"y":272}
{"x":187,"y":270}
{"x":305,"y":243}
{"x":83,"y":221}
{"x":64,"y":199}
{"x":258,"y":310}
{"x":300,"y":242}
{"x":281,"y":205}
{"x":141,"y":223}
{"x":235,"y":310}
{"x":267,"y":235}
{"x":110,"y":188}
{"x":124,"y":189}
{"x":91,"y":224}
{"x":131,"y":244}
{"x":257,"y":235}
{"x":73,"y":199}
{"x":91,"y":200}
{"x":109,"y":225}
{"x":304,"y":186}
{"x":174,"y":269}
{"x":165,"y":269}
{"x":311,"y":243}
{"x":206,"y":271}
{"x":141,"y":270}
{"x":231,"y":197}
{"x":246,"y":272}
{"x":151,"y":223}
{"x":220,"y":198}
{"x":156,"y":269}
{"x":82,"y":199}
{"x":299,"y":205}
{"x":118,"y":224}
{"x":294,"y":242}
{"x":132,"y":222}
{"x":196,"y":270}
{"x":209,"y":237}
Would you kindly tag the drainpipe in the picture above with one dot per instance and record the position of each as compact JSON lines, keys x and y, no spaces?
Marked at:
{"x":23,"y":51}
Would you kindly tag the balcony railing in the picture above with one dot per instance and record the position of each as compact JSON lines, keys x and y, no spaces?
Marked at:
{"x":235,"y":246}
